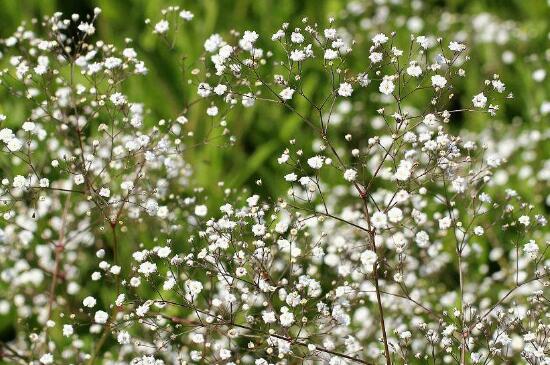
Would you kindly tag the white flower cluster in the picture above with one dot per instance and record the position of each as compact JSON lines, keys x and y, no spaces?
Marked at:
{"x":401,"y":242}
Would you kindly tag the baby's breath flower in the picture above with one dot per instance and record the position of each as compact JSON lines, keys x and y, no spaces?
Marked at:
{"x":101,"y":317}
{"x":89,"y":302}
{"x":368,"y":259}
{"x":287,"y":93}
{"x":162,"y":27}
{"x":350,"y":175}
{"x":479,"y":101}
{"x":387,"y":86}
{"x":439,"y":81}
{"x":315,"y":162}
{"x":345,"y":89}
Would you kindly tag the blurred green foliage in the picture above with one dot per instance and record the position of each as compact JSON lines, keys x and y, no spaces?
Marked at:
{"x":165,"y":90}
{"x":261,"y":136}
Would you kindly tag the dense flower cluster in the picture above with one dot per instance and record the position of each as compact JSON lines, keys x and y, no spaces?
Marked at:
{"x":375,"y":254}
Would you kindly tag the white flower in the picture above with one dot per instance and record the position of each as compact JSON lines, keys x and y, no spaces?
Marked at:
{"x":395,"y":215}
{"x":101,"y":317}
{"x":253,"y":200}
{"x":379,"y":38}
{"x":248,"y":39}
{"x":225,"y":354}
{"x":531,"y":249}
{"x":250,"y":36}
{"x":240,"y":272}
{"x":281,"y":227}
{"x":293,"y":299}
{"x":118,"y":99}
{"x":147,"y":268}
{"x":169,"y":283}
{"x":164,"y":252}
{"x":182,"y":119}
{"x":6,"y":134}
{"x":456,"y":47}
{"x":143,"y":309}
{"x":104,"y":192}
{"x":379,"y":220}
{"x":269,"y":317}
{"x":422,"y":239}
{"x":129,"y":53}
{"x":28,"y":126}
{"x":201,"y":210}
{"x":297,"y":55}
{"x":225,"y":51}
{"x":205,"y":89}
{"x":67,"y":330}
{"x":350,"y":175}
{"x":291,"y":177}
{"x":283,"y":159}
{"x":220,"y":89}
{"x":363,"y":79}
{"x":127,"y":185}
{"x":376,"y":57}
{"x":386,"y":86}
{"x":479,"y":101}
{"x":46,"y":359}
{"x":119,"y":300}
{"x":186,"y":15}
{"x":403,"y":171}
{"x":478,"y":231}
{"x":423,"y":41}
{"x":296,"y":37}
{"x":213,"y":43}
{"x":539,"y":75}
{"x":258,"y":229}
{"x":112,"y":62}
{"x":286,"y":318}
{"x":498,"y":86}
{"x":368,"y":259}
{"x":79,"y":179}
{"x":278,"y":35}
{"x":438,"y":81}
{"x":19,"y":182}
{"x":414,"y":70}
{"x":193,"y":288}
{"x":524,"y":219}
{"x":248,"y":100}
{"x":545,"y":108}
{"x":14,"y":145}
{"x":287,"y":93}
{"x":162,"y":27}
{"x":86,"y":28}
{"x":330,"y":33}
{"x":315,"y":162}
{"x":197,"y":338}
{"x":42,"y":66}
{"x":430,"y":120}
{"x":212,"y":111}
{"x":89,"y":302}
{"x":345,"y":89}
{"x":123,"y":338}
{"x":445,"y":223}
{"x":330,"y":54}
{"x":288,"y":247}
